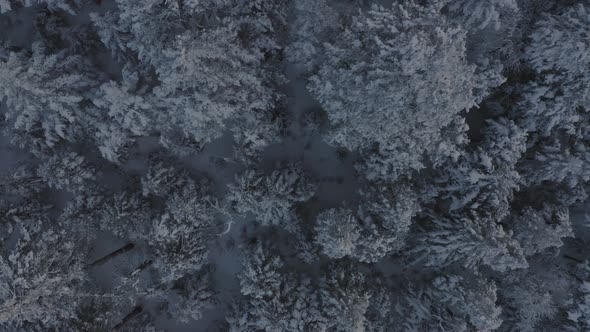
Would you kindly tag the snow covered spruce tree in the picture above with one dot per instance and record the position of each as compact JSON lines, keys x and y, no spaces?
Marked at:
{"x":204,"y":63}
{"x":555,"y":104}
{"x":449,"y":303}
{"x":45,"y":95}
{"x":271,"y":199}
{"x":41,"y":280}
{"x":392,"y":82}
{"x":180,"y":234}
{"x":379,"y":227}
{"x":274,"y":300}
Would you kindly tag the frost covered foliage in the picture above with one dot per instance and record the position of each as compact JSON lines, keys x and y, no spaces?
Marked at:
{"x":271,"y":199}
{"x":294,"y":165}
{"x":393,"y":80}
{"x":44,"y":94}
{"x":69,"y":6}
{"x":376,"y":229}
{"x":478,"y":14}
{"x":40,"y":280}
{"x":468,"y":243}
{"x":450,"y":303}
{"x":208,"y":59}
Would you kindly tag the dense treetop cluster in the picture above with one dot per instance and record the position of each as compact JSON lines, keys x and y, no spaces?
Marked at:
{"x":294,"y":165}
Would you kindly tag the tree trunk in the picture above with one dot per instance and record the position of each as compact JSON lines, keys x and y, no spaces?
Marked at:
{"x":142,"y":267}
{"x":126,"y":248}
{"x":136,"y":311}
{"x":577,"y":260}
